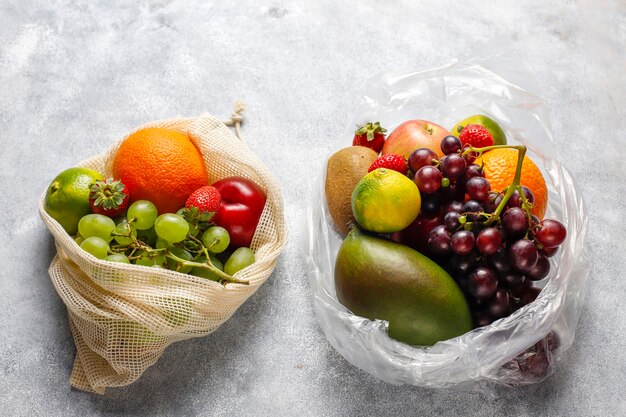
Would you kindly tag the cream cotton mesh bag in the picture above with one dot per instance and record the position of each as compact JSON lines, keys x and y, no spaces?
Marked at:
{"x":123,"y":316}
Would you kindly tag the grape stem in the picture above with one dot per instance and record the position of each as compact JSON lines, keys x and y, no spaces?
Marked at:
{"x":208,"y":266}
{"x":515,"y":185}
{"x":138,"y":244}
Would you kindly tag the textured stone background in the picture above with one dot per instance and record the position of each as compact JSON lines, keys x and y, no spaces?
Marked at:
{"x":75,"y":75}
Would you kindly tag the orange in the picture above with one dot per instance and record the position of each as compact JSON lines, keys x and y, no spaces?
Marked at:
{"x":499,"y":167}
{"x":160,"y":165}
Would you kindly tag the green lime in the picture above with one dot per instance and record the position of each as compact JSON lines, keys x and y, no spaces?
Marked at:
{"x":499,"y":138}
{"x":67,"y":198}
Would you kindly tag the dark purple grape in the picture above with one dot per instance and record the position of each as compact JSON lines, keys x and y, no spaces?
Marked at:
{"x":500,"y":261}
{"x":452,"y":166}
{"x":492,"y":202}
{"x":462,"y":242}
{"x":471,"y":156}
{"x":428,"y":179}
{"x":478,"y":188}
{"x":451,"y":220}
{"x":431,"y":204}
{"x":488,"y":241}
{"x":540,"y":270}
{"x":453,"y":206}
{"x":523,"y":255}
{"x":515,"y":199}
{"x":549,"y":252}
{"x":499,"y":305}
{"x":517,"y":292}
{"x":420,"y":158}
{"x":550,"y":343}
{"x":471,"y":209}
{"x":481,"y":318}
{"x":511,"y":280}
{"x":453,"y":193}
{"x":528,"y":295}
{"x":551,"y":233}
{"x":439,"y":240}
{"x":450,"y":144}
{"x":535,"y":365}
{"x":474,"y":170}
{"x":514,"y":222}
{"x":462,"y":265}
{"x":482,"y":283}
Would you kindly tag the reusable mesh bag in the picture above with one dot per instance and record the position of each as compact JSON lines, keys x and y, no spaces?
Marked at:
{"x":123,"y":316}
{"x":492,"y":358}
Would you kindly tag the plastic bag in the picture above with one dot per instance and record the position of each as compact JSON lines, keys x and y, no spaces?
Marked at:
{"x":516,"y":350}
{"x":123,"y":316}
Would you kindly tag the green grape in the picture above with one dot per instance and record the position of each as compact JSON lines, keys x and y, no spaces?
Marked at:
{"x":143,"y":213}
{"x":144,"y":259}
{"x":216,"y":239}
{"x":120,"y":219}
{"x":126,"y":229}
{"x":183,"y":254}
{"x":159,"y":260}
{"x":162,"y":243}
{"x":206,"y":273}
{"x":240,"y":259}
{"x":193,"y":229}
{"x":171,"y":227}
{"x":96,"y":246}
{"x":118,"y":257}
{"x":79,"y":239}
{"x":96,"y":225}
{"x":148,"y":236}
{"x":157,"y":266}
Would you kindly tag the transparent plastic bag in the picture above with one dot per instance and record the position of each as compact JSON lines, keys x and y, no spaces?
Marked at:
{"x":505,"y":353}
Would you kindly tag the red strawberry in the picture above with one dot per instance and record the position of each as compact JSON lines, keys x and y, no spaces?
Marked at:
{"x":108,"y":197}
{"x":205,"y":198}
{"x":371,"y":135}
{"x":476,"y":135}
{"x":390,"y":161}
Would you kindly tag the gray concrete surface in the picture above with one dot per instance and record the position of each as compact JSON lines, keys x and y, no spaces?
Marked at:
{"x":75,"y":75}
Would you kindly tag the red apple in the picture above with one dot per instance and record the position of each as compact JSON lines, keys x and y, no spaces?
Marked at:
{"x":414,"y":134}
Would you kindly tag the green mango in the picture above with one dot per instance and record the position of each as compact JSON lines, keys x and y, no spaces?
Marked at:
{"x":379,"y":279}
{"x":499,"y":138}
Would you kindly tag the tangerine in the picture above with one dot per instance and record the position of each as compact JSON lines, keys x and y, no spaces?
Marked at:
{"x":385,"y":201}
{"x":499,"y":167}
{"x":160,"y":165}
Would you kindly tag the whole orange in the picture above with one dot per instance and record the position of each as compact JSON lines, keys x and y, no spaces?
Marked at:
{"x":499,"y":167}
{"x":160,"y":165}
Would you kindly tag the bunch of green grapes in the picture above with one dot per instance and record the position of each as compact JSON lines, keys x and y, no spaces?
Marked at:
{"x":186,"y":242}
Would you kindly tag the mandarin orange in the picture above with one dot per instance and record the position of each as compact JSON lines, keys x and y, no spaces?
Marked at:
{"x":499,"y":167}
{"x":160,"y":165}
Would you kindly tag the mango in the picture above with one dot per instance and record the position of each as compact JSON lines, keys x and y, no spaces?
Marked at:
{"x":379,"y":279}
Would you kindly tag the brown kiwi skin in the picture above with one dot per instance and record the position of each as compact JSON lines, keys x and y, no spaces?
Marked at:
{"x":344,"y":170}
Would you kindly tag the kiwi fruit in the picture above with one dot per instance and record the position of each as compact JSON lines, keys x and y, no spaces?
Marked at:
{"x":343,"y":171}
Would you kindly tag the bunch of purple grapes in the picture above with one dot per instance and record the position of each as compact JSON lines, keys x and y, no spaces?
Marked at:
{"x":495,"y":255}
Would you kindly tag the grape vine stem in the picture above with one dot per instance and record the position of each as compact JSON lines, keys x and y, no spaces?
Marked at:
{"x":515,"y":185}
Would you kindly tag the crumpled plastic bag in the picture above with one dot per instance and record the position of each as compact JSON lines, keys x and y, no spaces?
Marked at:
{"x":524,"y":348}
